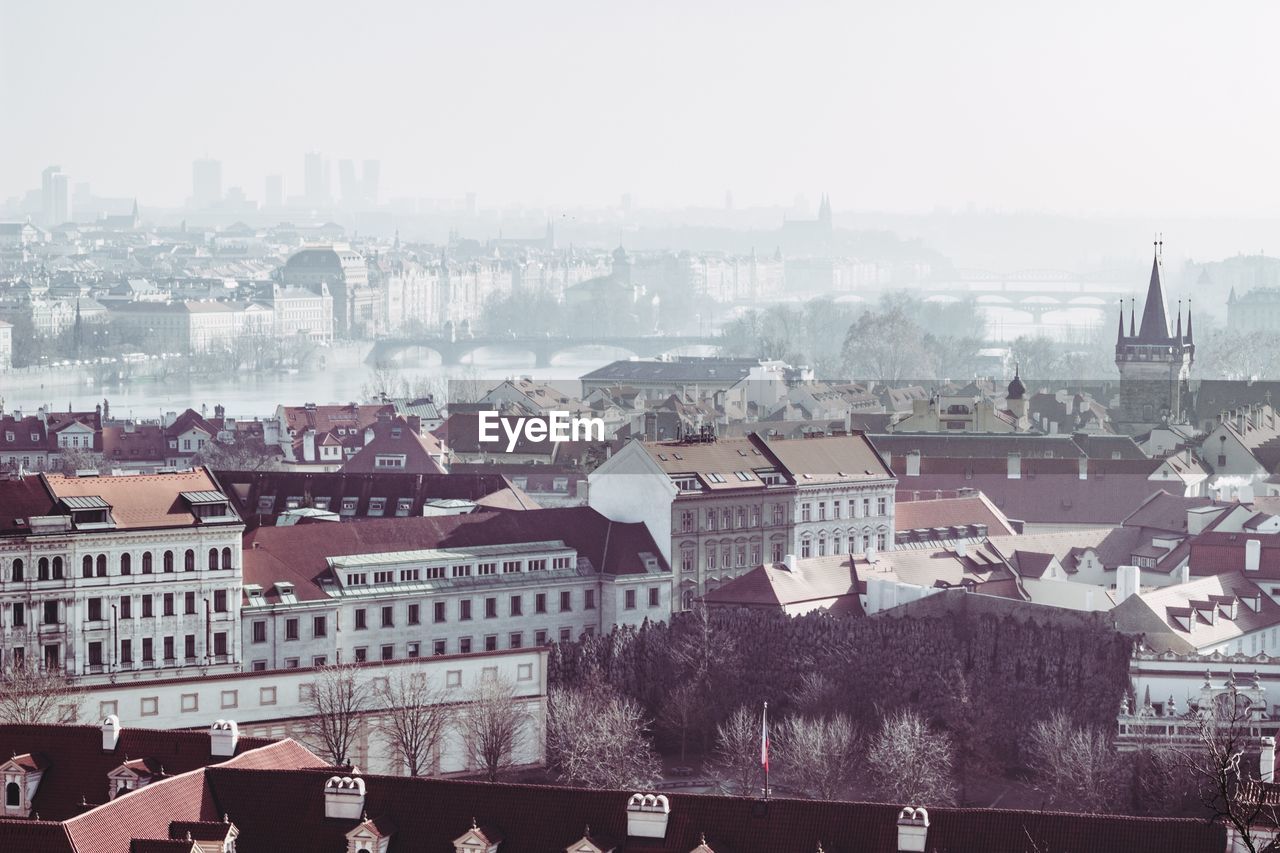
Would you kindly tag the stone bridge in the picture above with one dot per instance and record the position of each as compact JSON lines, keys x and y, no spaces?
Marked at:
{"x":453,"y":349}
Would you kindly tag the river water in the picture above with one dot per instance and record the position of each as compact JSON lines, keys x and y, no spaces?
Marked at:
{"x":344,"y":379}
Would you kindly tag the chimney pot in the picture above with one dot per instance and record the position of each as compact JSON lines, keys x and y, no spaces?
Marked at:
{"x":647,"y":816}
{"x":110,"y":733}
{"x":344,"y":797}
{"x":913,"y":830}
{"x":790,"y":562}
{"x":223,"y":737}
{"x":1252,"y":555}
{"x":1267,"y":760}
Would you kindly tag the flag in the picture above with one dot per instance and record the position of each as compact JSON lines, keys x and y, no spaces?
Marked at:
{"x":764,"y":737}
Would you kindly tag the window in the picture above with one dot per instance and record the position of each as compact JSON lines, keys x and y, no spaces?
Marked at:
{"x":226,"y":559}
{"x":148,"y":650}
{"x":464,"y":645}
{"x":291,"y":629}
{"x":95,"y":609}
{"x":806,"y":547}
{"x":167,"y":602}
{"x":510,"y":567}
{"x":561,"y":562}
{"x":881,"y":540}
{"x":438,"y":614}
{"x":630,"y":597}
{"x":220,"y":643}
{"x":146,"y":563}
{"x":413,"y":649}
{"x":491,"y":643}
{"x":540,"y":637}
{"x":95,"y":654}
{"x":168,"y":561}
{"x":566,"y":601}
{"x":168,"y":649}
{"x":101,"y":566}
{"x":566,"y":635}
{"x":537,"y":565}
{"x":319,"y":660}
{"x":490,"y":608}
{"x":189,"y":563}
{"x":20,"y":615}
{"x":362,"y":654}
{"x":540,"y":603}
{"x":291,"y":663}
{"x":779,"y":513}
{"x":686,"y":521}
{"x":189,"y":647}
{"x":755,"y":516}
{"x":515,"y":640}
{"x":711,"y":556}
{"x":414,"y":618}
{"x":16,"y":571}
{"x":388,"y":617}
{"x":213,"y":559}
{"x":589,"y":599}
{"x":387,"y":652}
{"x":319,"y":626}
{"x":189,"y":603}
{"x":219,"y":601}
{"x":882,"y":506}
{"x":464,"y":609}
{"x":146,"y":607}
{"x":805,"y":512}
{"x":126,"y":652}
{"x":42,"y":569}
{"x":487,"y":569}
{"x":260,"y":631}
{"x":654,"y":596}
{"x":822,"y":510}
{"x":438,"y":647}
{"x":461,"y":571}
{"x":126,"y":607}
{"x":362,"y":620}
{"x":835,"y":509}
{"x":126,"y":564}
{"x":687,"y":559}
{"x":517,"y":605}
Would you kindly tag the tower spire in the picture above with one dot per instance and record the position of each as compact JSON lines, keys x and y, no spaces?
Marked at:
{"x":1120,"y":329}
{"x":1179,"y":333}
{"x":1155,"y":317}
{"x":1190,"y":337}
{"x":1133,"y":332}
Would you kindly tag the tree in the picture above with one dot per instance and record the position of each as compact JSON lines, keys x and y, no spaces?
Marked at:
{"x":887,"y":346}
{"x":1037,"y":357}
{"x":247,"y":453}
{"x":73,"y":459}
{"x":490,"y":723}
{"x":597,"y":738}
{"x":735,"y":758}
{"x":1077,"y":766}
{"x":33,"y":694}
{"x":911,"y":763}
{"x":413,"y":716}
{"x":818,"y":755}
{"x":339,"y":698}
{"x":681,"y":713}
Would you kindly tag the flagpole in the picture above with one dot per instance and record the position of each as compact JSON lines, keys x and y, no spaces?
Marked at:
{"x":764,"y":746}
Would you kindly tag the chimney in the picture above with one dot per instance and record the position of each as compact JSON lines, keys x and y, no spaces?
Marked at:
{"x":647,"y":816}
{"x":1084,"y":467}
{"x":913,"y":463}
{"x":962,"y":549}
{"x":1244,"y":493}
{"x":344,"y":797}
{"x":415,"y":424}
{"x":309,"y":446}
{"x":790,"y":562}
{"x":110,"y":733}
{"x":1252,"y":554}
{"x":871,"y":550}
{"x":368,"y":435}
{"x":1267,"y":760}
{"x":913,"y":830}
{"x":1128,"y":580}
{"x":223,"y":736}
{"x":1015,"y":466}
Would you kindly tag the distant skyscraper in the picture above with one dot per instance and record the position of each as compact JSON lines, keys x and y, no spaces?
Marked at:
{"x":316,"y":180}
{"x":206,"y":183}
{"x":348,"y":184}
{"x":274,"y":195}
{"x":372,"y":174}
{"x":55,"y":193}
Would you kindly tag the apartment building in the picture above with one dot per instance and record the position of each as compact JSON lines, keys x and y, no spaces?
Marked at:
{"x":395,"y":588}
{"x":719,"y":508}
{"x":120,"y":577}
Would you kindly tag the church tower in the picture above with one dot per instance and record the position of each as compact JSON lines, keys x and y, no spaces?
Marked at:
{"x":1154,"y":362}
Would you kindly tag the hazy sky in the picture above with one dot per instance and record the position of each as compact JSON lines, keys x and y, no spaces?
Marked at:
{"x":1110,"y":107}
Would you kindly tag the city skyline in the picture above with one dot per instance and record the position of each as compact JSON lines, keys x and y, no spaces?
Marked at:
{"x":884,"y":108}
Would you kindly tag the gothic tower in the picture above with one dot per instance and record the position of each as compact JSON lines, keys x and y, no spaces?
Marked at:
{"x":1154,"y":362}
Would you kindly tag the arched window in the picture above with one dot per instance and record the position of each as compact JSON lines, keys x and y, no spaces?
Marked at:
{"x":57,"y":568}
{"x":822,"y":544}
{"x":86,"y":566}
{"x":126,"y":564}
{"x":213,"y":559}
{"x":102,"y":565}
{"x":168,"y":561}
{"x":226,"y":558}
{"x":42,"y":569}
{"x":687,"y":599}
{"x":12,"y":795}
{"x":17,"y":574}
{"x":806,"y":547}
{"x":190,"y":565}
{"x":146,"y":562}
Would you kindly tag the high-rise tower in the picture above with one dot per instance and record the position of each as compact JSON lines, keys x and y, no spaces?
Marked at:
{"x":1154,"y":362}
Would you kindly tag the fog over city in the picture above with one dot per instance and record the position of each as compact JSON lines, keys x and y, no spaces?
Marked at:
{"x":680,"y":427}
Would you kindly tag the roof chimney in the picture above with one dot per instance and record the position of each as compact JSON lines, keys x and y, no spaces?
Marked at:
{"x":647,"y":816}
{"x":913,"y":830}
{"x":223,"y":736}
{"x":1267,"y":760}
{"x":913,"y":463}
{"x":789,"y":561}
{"x":344,"y":797}
{"x":1128,"y":581}
{"x":1252,"y":554}
{"x":110,"y":733}
{"x":1015,"y":466}
{"x":1084,"y":467}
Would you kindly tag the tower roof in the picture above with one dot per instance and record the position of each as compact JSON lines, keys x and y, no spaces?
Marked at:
{"x":1155,"y":319}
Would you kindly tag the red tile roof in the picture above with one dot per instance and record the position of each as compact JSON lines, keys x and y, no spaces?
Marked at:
{"x":144,"y":501}
{"x":396,"y":437}
{"x":951,"y":512}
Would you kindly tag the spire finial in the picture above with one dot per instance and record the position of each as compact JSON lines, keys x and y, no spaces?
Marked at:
{"x":1133,"y":328}
{"x":1179,"y":333}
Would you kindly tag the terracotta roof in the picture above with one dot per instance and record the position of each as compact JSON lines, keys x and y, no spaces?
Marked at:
{"x":980,"y":564}
{"x":1199,"y":603}
{"x":951,"y":512}
{"x":774,"y":585}
{"x":29,"y":435}
{"x":396,"y":437}
{"x":688,"y":370}
{"x":21,"y":498}
{"x":461,"y":434}
{"x":143,"y":443}
{"x":1166,"y":512}
{"x":299,"y":554}
{"x":145,"y":501}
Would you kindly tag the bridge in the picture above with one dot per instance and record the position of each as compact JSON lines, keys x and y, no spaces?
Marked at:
{"x":1037,"y":292}
{"x":452,"y":350}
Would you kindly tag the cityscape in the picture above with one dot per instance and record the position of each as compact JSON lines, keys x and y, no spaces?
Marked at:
{"x":696,"y":429}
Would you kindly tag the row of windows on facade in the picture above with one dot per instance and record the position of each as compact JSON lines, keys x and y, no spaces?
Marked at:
{"x":439,"y":613}
{"x":732,"y":518}
{"x":95,"y":612}
{"x":461,"y":570}
{"x":125,"y":657}
{"x":52,"y":568}
{"x":413,"y":649}
{"x":736,"y":556}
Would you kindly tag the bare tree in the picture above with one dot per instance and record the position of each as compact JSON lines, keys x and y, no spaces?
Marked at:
{"x":73,"y":459}
{"x":818,"y":755}
{"x":34,"y":694}
{"x":490,"y":723}
{"x":412,"y":717}
{"x":681,"y":712}
{"x":911,"y":763}
{"x":1077,"y":766}
{"x":816,"y":695}
{"x":1228,"y":789}
{"x":735,"y":758}
{"x":704,"y":657}
{"x":339,"y":698}
{"x":597,"y":738}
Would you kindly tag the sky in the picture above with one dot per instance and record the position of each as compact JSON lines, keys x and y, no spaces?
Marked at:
{"x":1129,"y":108}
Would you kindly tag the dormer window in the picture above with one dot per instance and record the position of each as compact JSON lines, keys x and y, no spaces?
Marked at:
{"x":132,"y":775}
{"x":20,"y":777}
{"x":371,"y":836}
{"x":477,"y":839}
